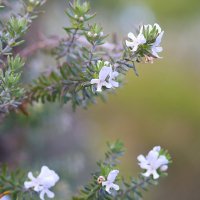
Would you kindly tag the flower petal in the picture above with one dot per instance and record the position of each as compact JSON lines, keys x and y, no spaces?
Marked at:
{"x":141,"y":39}
{"x":157,"y":27}
{"x":141,"y":158}
{"x":107,"y":85}
{"x":94,"y":81}
{"x":30,"y":176}
{"x":157,"y":148}
{"x":147,"y":173}
{"x":104,"y":73}
{"x":29,"y":184}
{"x":155,"y":174}
{"x":50,"y":194}
{"x":115,"y":186}
{"x":164,"y":168}
{"x":158,"y":39}
{"x":42,"y":193}
{"x":99,"y":87}
{"x":129,"y":44}
{"x":131,"y":36}
{"x":112,"y":175}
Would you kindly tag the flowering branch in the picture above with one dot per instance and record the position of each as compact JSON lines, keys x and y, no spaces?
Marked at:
{"x":84,"y":72}
{"x":105,"y":183}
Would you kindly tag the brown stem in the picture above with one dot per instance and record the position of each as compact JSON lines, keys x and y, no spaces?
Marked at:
{"x":47,"y":43}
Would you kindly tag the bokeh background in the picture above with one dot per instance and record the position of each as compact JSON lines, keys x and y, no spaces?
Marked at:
{"x":160,"y":107}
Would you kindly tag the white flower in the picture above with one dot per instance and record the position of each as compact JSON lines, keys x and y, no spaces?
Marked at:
{"x":110,"y":179}
{"x":101,"y":81}
{"x":153,"y":162}
{"x":136,"y":41}
{"x":156,"y":48}
{"x":46,"y":179}
{"x":106,"y":77}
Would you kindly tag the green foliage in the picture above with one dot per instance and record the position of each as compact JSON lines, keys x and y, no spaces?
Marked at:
{"x":134,"y":189}
{"x":16,"y":26}
{"x":12,"y":184}
{"x":11,"y":92}
{"x":68,"y":84}
{"x":79,"y":14}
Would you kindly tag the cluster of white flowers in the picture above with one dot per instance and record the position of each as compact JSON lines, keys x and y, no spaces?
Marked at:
{"x":79,"y":18}
{"x":142,"y":38}
{"x":41,"y":184}
{"x":153,"y":162}
{"x":106,"y":78}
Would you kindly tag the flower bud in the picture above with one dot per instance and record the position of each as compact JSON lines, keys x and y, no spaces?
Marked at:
{"x":81,"y":19}
{"x":101,"y":34}
{"x":89,"y":34}
{"x":100,"y":179}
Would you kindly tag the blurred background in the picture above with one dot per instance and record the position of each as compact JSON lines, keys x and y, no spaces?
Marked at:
{"x":160,"y":107}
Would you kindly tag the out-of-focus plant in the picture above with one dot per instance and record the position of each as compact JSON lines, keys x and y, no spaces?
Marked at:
{"x":106,"y":183}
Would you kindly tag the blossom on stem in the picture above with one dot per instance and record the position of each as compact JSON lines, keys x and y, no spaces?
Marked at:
{"x":153,"y":162}
{"x":41,"y":184}
{"x":106,"y":77}
{"x":155,"y":47}
{"x":109,"y":183}
{"x":136,"y":41}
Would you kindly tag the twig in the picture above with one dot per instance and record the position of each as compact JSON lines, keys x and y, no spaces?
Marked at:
{"x":47,"y":43}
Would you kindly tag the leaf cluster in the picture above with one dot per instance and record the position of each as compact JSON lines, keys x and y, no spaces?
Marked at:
{"x":11,"y":183}
{"x":12,"y":92}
